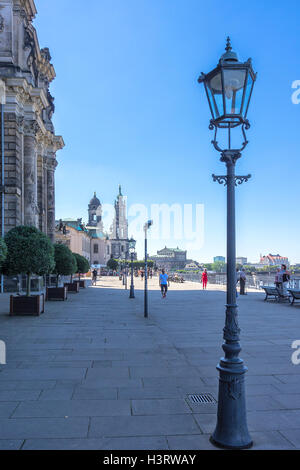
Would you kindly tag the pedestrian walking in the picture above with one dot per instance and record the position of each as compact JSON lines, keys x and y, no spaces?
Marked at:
{"x":243,"y":279}
{"x":142,"y":274}
{"x":204,"y":278}
{"x":163,"y":281}
{"x":94,"y":278}
{"x":284,"y":277}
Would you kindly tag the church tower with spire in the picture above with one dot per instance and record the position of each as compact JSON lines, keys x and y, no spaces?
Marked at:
{"x":95,"y":213}
{"x":119,"y":233}
{"x":120,"y":223}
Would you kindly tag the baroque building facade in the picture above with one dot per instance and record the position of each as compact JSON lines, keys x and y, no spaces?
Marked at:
{"x":91,"y":240}
{"x":30,"y":143}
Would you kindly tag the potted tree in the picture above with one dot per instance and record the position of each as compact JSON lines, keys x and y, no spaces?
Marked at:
{"x":29,"y":252}
{"x":3,"y":252}
{"x":83,"y":267}
{"x":63,"y":267}
{"x":72,"y":286}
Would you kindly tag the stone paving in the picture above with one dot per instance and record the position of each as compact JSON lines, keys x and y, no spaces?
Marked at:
{"x":93,"y":373}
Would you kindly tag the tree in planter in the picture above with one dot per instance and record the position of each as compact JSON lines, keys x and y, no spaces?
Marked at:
{"x":83,"y":265}
{"x":64,"y":263}
{"x":112,"y":264}
{"x":74,"y":266}
{"x":29,"y":251}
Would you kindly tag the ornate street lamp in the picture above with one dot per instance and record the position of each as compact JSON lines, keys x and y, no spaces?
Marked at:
{"x":146,"y":228}
{"x":228,"y":88}
{"x":132,"y":244}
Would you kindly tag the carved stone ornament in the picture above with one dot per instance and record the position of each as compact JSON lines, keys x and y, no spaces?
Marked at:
{"x":31,"y":128}
{"x":1,"y":24}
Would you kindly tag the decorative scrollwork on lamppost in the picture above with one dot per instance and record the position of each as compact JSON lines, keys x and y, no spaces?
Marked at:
{"x":228,"y":89}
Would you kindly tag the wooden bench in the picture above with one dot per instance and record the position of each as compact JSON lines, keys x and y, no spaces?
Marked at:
{"x":271,"y":291}
{"x":295,"y":295}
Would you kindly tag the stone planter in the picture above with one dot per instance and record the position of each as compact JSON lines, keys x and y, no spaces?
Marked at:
{"x":56,"y":293}
{"x":72,"y":286}
{"x":82,"y":283}
{"x":23,"y":305}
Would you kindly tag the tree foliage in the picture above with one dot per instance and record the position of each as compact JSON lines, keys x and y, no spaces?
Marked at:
{"x":219,"y":266}
{"x":3,"y":251}
{"x":83,"y":265}
{"x":30,"y":251}
{"x":64,"y":262}
{"x":112,"y":264}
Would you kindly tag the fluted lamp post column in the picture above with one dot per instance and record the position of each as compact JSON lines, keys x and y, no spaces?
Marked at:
{"x":132,"y":244}
{"x":228,"y":88}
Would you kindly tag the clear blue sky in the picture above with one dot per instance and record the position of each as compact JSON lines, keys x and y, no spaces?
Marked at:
{"x":131,"y":111}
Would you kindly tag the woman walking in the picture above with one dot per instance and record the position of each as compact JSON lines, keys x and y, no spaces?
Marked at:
{"x":204,"y":279}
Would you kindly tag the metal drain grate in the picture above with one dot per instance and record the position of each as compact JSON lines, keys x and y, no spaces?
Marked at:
{"x":202,"y":398}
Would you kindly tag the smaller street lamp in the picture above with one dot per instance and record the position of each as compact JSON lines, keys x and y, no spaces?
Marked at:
{"x":132,"y":244}
{"x":146,"y":228}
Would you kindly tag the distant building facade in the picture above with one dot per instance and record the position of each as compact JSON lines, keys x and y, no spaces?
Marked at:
{"x":75,"y":236}
{"x":30,"y":143}
{"x":219,"y":259}
{"x":91,"y":240}
{"x":241,"y":260}
{"x":170,"y":258}
{"x":273,"y":260}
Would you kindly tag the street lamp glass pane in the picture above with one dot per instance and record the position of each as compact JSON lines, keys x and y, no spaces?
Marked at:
{"x":215,"y":88}
{"x":215,"y":112}
{"x":247,"y":94}
{"x":234,"y":81}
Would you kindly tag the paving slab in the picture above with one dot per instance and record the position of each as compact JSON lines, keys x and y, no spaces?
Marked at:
{"x":10,"y":444}
{"x":158,"y":425}
{"x":67,"y":408}
{"x":116,"y":443}
{"x":165,"y":406}
{"x":43,"y":428}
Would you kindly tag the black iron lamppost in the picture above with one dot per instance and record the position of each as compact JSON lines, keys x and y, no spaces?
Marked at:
{"x":126,"y":270}
{"x":146,"y":228}
{"x":132,"y":244}
{"x":228,"y":88}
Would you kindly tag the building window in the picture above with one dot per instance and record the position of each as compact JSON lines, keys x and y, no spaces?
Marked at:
{"x":96,"y":248}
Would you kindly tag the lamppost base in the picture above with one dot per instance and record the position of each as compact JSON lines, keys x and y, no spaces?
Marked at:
{"x":231,"y":430}
{"x":225,"y":446}
{"x":131,"y":294}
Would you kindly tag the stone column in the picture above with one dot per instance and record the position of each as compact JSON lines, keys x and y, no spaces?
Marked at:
{"x":30,"y":174}
{"x":51,"y":165}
